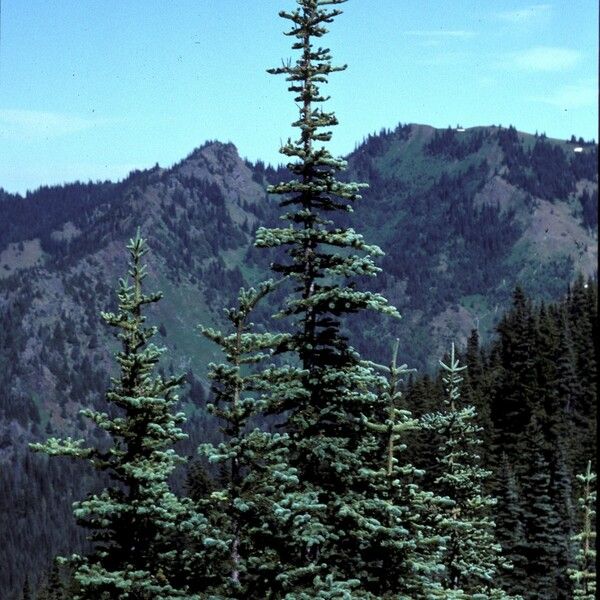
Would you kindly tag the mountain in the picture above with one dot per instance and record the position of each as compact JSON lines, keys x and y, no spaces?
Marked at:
{"x":463,"y":216}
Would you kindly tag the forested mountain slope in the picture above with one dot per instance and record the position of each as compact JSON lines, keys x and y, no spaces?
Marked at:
{"x":463,"y":216}
{"x":535,"y":391}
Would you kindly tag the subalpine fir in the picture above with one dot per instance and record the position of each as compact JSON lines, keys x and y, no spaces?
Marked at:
{"x":540,"y":519}
{"x":517,"y":387}
{"x":509,"y":528}
{"x":136,"y":523}
{"x":403,"y":560}
{"x":584,"y":575}
{"x":471,"y":556}
{"x":252,"y":462}
{"x":324,"y":262}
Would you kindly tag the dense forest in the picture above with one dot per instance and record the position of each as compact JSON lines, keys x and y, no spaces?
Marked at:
{"x":534,"y":391}
{"x":315,"y":463}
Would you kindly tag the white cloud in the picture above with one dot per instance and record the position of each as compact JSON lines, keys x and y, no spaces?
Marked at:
{"x":35,"y":124}
{"x":525,"y":14}
{"x":546,"y":58}
{"x":448,"y":33}
{"x":579,"y":95}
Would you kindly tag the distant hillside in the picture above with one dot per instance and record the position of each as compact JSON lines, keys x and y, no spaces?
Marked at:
{"x":463,"y":216}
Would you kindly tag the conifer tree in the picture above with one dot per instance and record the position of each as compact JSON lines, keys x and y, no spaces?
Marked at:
{"x":547,"y":337}
{"x":517,"y":392}
{"x":423,"y":397}
{"x":404,"y":552}
{"x":471,"y":556}
{"x":540,"y":519}
{"x":567,"y":385}
{"x":252,"y":462}
{"x":397,"y":420}
{"x":476,"y":392}
{"x":582,"y":311}
{"x":584,"y":575}
{"x":324,"y":262}
{"x":510,"y":531}
{"x":136,"y":522}
{"x":561,"y":495}
{"x":509,"y":528}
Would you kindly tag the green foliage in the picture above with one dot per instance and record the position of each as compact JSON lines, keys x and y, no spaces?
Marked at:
{"x":472,"y":556}
{"x":545,"y":170}
{"x":321,"y":254}
{"x":544,"y":363}
{"x":136,"y":521}
{"x":584,"y":576}
{"x":510,"y":530}
{"x":254,"y":474}
{"x":326,"y":533}
{"x":532,"y":370}
{"x":403,"y":556}
{"x":540,"y":519}
{"x":398,"y":421}
{"x":512,"y":406}
{"x":454,"y":145}
{"x":335,"y":506}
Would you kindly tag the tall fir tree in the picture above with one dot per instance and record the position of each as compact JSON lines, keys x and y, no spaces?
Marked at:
{"x":552,"y":416}
{"x":548,"y":410}
{"x":476,"y":392}
{"x":324,"y":263}
{"x":513,"y":403}
{"x":540,"y":519}
{"x":471,"y":557}
{"x":567,"y":385}
{"x":561,"y":495}
{"x":510,"y":531}
{"x":136,"y":522}
{"x":584,"y":575}
{"x":582,"y":311}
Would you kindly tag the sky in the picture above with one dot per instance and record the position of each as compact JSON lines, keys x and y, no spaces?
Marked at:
{"x":91,"y":89}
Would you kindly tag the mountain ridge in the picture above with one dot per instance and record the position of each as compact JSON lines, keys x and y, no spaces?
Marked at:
{"x":463,"y":217}
{"x":206,"y":206}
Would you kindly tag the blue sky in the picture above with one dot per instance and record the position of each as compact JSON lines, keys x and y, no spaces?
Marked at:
{"x":91,"y":89}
